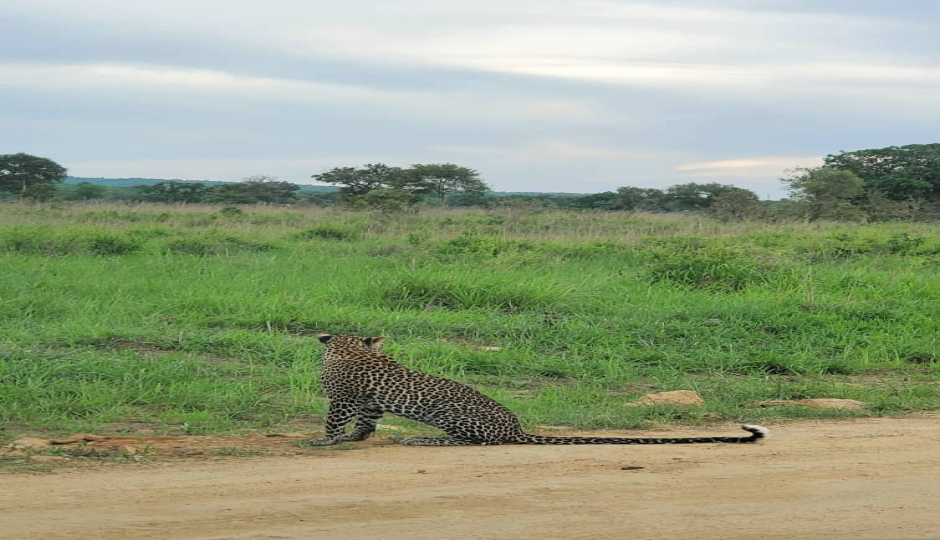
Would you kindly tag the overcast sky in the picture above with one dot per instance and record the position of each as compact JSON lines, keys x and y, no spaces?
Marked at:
{"x":538,"y":95}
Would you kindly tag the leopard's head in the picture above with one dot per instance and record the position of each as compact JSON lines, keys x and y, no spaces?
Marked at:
{"x":352,"y":342}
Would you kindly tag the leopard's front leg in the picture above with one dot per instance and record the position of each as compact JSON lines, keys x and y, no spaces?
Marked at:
{"x":341,"y":413}
{"x":365,"y":424}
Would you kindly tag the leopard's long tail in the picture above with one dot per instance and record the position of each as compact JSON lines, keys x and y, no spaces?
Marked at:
{"x":757,"y":433}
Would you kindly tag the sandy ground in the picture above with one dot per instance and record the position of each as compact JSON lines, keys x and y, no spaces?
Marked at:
{"x":864,"y":479}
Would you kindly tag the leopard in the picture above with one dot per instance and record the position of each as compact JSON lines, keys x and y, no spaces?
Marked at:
{"x":362,"y":384}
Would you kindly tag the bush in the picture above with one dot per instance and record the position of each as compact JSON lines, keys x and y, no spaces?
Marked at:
{"x":481,"y":246}
{"x":710,"y":266}
{"x":475,"y":219}
{"x":231,"y":212}
{"x":110,"y":244}
{"x":328,"y":231}
{"x":737,"y":205}
{"x":424,"y":293}
{"x":129,"y":216}
{"x":384,"y":200}
{"x":48,"y":242}
{"x":844,"y":245}
{"x":216,"y":245}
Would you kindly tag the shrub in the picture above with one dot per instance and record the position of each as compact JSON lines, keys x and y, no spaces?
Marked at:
{"x":475,"y":219}
{"x":910,"y":244}
{"x":423,"y":293}
{"x":329,"y":231}
{"x":711,"y":266}
{"x":481,"y":246}
{"x":49,"y":242}
{"x":845,"y":245}
{"x":129,"y":216}
{"x":110,"y":244}
{"x":216,"y":245}
{"x":231,"y":212}
{"x":591,"y":250}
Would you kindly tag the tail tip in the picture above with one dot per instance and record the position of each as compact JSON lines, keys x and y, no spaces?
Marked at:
{"x":760,"y":432}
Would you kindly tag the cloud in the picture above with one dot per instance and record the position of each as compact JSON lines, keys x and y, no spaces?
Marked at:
{"x":565,"y":95}
{"x":228,"y":169}
{"x":723,"y":165}
{"x":759,"y":174}
{"x":554,"y":150}
{"x":117,"y":78}
{"x":749,"y":167}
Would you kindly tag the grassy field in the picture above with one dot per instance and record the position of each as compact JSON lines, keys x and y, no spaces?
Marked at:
{"x":166,"y":319}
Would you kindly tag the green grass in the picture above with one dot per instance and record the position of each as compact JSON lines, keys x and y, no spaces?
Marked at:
{"x":196,"y":319}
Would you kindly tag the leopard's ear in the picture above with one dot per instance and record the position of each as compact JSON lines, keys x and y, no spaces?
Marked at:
{"x":374,"y":343}
{"x":324,"y":337}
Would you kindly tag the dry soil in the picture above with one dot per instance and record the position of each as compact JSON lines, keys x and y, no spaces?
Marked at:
{"x":862,"y":479}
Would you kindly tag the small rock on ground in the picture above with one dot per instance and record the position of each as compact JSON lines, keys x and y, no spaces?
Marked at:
{"x":817,"y":403}
{"x":48,"y":459}
{"x":30,"y":442}
{"x":676,"y":398}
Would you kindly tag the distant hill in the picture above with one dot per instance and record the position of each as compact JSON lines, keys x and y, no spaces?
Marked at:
{"x":538,"y":194}
{"x":131,"y":182}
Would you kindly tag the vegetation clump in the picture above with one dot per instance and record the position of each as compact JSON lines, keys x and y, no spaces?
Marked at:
{"x":41,"y":240}
{"x":709,"y":264}
{"x":472,"y":245}
{"x":216,"y":244}
{"x":328,"y":231}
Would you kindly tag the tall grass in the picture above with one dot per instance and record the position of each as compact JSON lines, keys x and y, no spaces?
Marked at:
{"x":197,"y":318}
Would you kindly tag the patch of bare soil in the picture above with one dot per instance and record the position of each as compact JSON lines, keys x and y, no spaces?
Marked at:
{"x":156,"y":447}
{"x":861,"y":479}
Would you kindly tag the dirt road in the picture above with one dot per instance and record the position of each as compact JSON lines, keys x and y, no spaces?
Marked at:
{"x":865,"y":479}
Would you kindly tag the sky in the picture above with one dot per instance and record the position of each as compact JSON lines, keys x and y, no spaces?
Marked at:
{"x":537,"y":95}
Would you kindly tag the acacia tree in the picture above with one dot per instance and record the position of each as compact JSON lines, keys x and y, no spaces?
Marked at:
{"x":594,"y":201}
{"x":258,"y":188}
{"x":634,"y":198}
{"x":441,"y":179}
{"x":737,"y":205}
{"x":694,"y":196}
{"x":173,"y":191}
{"x":899,"y":172}
{"x":357,"y":181}
{"x":85,"y":191}
{"x":32,"y":177}
{"x":828,"y":193}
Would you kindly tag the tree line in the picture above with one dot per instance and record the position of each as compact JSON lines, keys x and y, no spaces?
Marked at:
{"x":897,"y":182}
